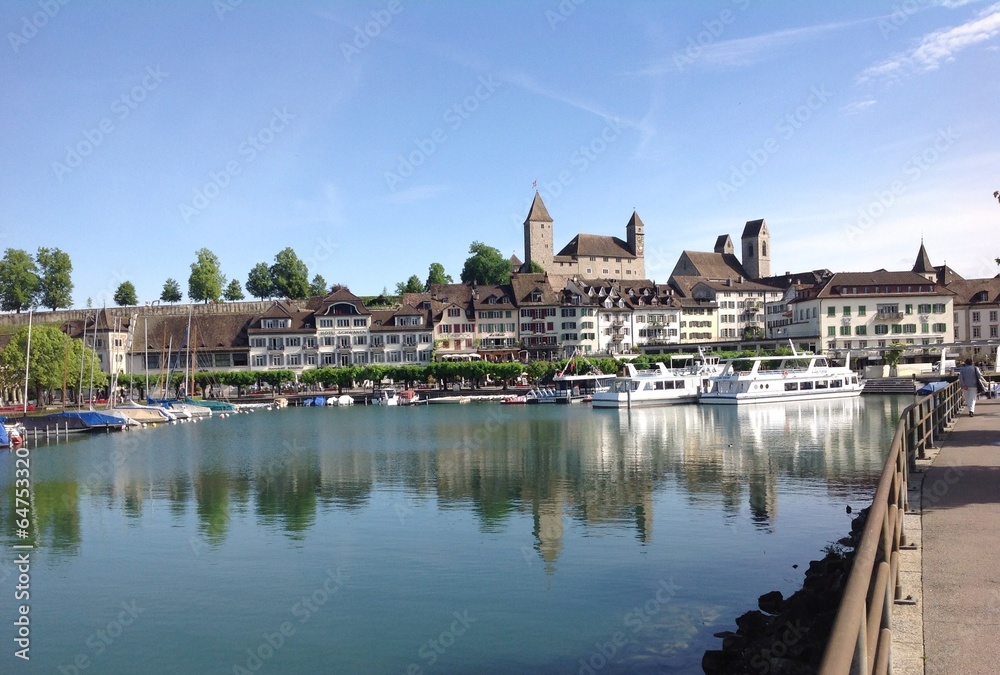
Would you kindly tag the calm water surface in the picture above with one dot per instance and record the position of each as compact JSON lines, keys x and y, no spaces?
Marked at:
{"x":440,"y":539}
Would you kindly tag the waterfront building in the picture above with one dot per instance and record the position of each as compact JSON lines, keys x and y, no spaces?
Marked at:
{"x":538,"y":311}
{"x":107,"y":335}
{"x":283,"y":337}
{"x":342,"y":330}
{"x":977,"y":309}
{"x":860,"y":310}
{"x":401,"y":335}
{"x":496,"y":317}
{"x":454,"y":321}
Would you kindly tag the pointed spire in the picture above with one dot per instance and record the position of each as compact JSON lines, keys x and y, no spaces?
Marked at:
{"x":538,"y":212}
{"x":923,"y":264}
{"x":634,"y":221}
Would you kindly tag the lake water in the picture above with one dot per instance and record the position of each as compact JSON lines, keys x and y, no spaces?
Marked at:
{"x":439,"y":539}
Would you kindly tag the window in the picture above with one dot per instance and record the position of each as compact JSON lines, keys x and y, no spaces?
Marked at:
{"x":831,"y":331}
{"x":425,"y":338}
{"x":993,"y":316}
{"x":295,"y":359}
{"x":454,"y":311}
{"x":392,"y":339}
{"x":909,"y":309}
{"x":260,"y":361}
{"x":976,"y":332}
{"x":909,"y":328}
{"x":344,"y":342}
{"x":831,"y":311}
{"x":360,"y":339}
{"x":861,"y":330}
{"x":925,"y":328}
{"x":258,"y":342}
{"x":862,"y":310}
{"x":940,"y":327}
{"x":847,"y":310}
{"x":329,"y":359}
{"x":277,"y":359}
{"x":326,"y":323}
{"x":309,"y":342}
{"x":975,"y":319}
{"x":293,"y":342}
{"x":924,"y":309}
{"x":845,"y":330}
{"x":360,"y":323}
{"x":881,"y":329}
{"x":343,"y":323}
{"x":938,"y":308}
{"x":564,"y":312}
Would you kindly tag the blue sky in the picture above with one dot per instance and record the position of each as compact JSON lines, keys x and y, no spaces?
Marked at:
{"x":375,"y":138}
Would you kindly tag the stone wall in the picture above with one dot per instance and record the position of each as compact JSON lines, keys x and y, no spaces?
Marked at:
{"x":199,"y":309}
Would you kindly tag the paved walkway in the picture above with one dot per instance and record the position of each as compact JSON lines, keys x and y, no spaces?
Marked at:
{"x":960,"y":533}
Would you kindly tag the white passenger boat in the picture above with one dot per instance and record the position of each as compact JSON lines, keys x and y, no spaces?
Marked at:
{"x":800,"y":377}
{"x":661,"y":385}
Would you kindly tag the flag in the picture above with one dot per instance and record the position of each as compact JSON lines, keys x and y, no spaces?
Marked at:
{"x":534,"y":184}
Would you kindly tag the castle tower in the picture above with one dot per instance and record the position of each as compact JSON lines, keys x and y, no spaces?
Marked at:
{"x":724,"y":244}
{"x":538,"y":241}
{"x":756,"y":249}
{"x":635,"y":235}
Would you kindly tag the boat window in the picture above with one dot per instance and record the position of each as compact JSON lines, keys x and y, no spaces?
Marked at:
{"x":791,"y":386}
{"x":822,"y":384}
{"x":806,"y":385}
{"x":836,"y":384}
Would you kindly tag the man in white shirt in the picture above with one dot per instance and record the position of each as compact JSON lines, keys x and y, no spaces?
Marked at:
{"x":968,"y":377}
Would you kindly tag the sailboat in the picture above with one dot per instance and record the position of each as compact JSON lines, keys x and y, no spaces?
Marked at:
{"x":143,"y":414}
{"x":182,"y":410}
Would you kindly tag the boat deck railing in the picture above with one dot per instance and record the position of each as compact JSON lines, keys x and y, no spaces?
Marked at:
{"x":861,"y":638}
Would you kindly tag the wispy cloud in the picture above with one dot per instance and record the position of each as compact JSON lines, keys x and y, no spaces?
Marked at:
{"x":857,"y":106}
{"x":743,"y":52}
{"x":417,"y":193}
{"x":936,"y":48}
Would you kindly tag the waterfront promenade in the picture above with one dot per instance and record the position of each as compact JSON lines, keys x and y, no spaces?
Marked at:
{"x":961,"y":547}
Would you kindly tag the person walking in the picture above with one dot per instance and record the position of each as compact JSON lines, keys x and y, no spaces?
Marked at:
{"x":968,"y":377}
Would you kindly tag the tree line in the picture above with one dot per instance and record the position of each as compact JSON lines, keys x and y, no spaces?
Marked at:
{"x":45,"y":279}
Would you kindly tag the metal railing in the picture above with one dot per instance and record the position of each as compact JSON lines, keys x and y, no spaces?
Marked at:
{"x":861,"y":637}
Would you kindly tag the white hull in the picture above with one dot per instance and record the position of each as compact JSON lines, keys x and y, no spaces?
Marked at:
{"x":622,"y":401}
{"x":741,"y":399}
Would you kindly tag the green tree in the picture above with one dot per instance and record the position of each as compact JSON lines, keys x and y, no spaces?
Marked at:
{"x":535,"y":268}
{"x":290,"y":276}
{"x":125,"y":295}
{"x":411,"y":285}
{"x":19,"y":282}
{"x":171,"y":291}
{"x":54,"y":358}
{"x":233,"y":291}
{"x":259,"y":281}
{"x":436,"y":275}
{"x":318,"y":286}
{"x":55,"y":287}
{"x":485,"y":265}
{"x":206,"y":280}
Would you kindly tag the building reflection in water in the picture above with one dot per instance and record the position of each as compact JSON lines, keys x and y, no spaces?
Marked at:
{"x":593,"y":468}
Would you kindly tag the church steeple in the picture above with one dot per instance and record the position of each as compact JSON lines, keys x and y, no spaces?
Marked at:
{"x":635,"y":235}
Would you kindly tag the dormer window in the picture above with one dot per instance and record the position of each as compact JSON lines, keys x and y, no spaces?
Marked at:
{"x":536,"y":296}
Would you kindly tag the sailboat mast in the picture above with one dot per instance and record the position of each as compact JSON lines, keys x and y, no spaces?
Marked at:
{"x":83,"y":354}
{"x":27,"y":361}
{"x":145,"y":342}
{"x":187,"y":350}
{"x":194,"y":360}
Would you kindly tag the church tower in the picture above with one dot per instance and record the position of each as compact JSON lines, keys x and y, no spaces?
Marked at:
{"x":756,"y":249}
{"x":538,"y":241}
{"x":635,"y":235}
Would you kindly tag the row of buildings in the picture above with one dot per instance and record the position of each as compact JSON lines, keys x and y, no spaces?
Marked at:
{"x":593,"y":298}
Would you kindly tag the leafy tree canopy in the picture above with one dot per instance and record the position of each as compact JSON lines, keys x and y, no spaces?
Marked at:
{"x":206,"y":280}
{"x":51,"y":350}
{"x":234,"y":291}
{"x":436,"y":275}
{"x":485,"y":265}
{"x":289,"y":275}
{"x":19,"y":282}
{"x":125,"y":294}
{"x":259,"y":281}
{"x":171,"y":291}
{"x":411,"y":285}
{"x":55,"y":284}
{"x":318,"y":286}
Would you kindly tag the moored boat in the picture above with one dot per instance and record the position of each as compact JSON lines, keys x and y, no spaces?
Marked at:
{"x":800,"y":377}
{"x":659,"y":386}
{"x":387,"y":396}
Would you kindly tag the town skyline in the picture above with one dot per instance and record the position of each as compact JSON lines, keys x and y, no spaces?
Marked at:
{"x":855,"y":133}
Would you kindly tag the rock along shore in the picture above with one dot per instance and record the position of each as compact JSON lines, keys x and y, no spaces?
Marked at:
{"x":787,"y":636}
